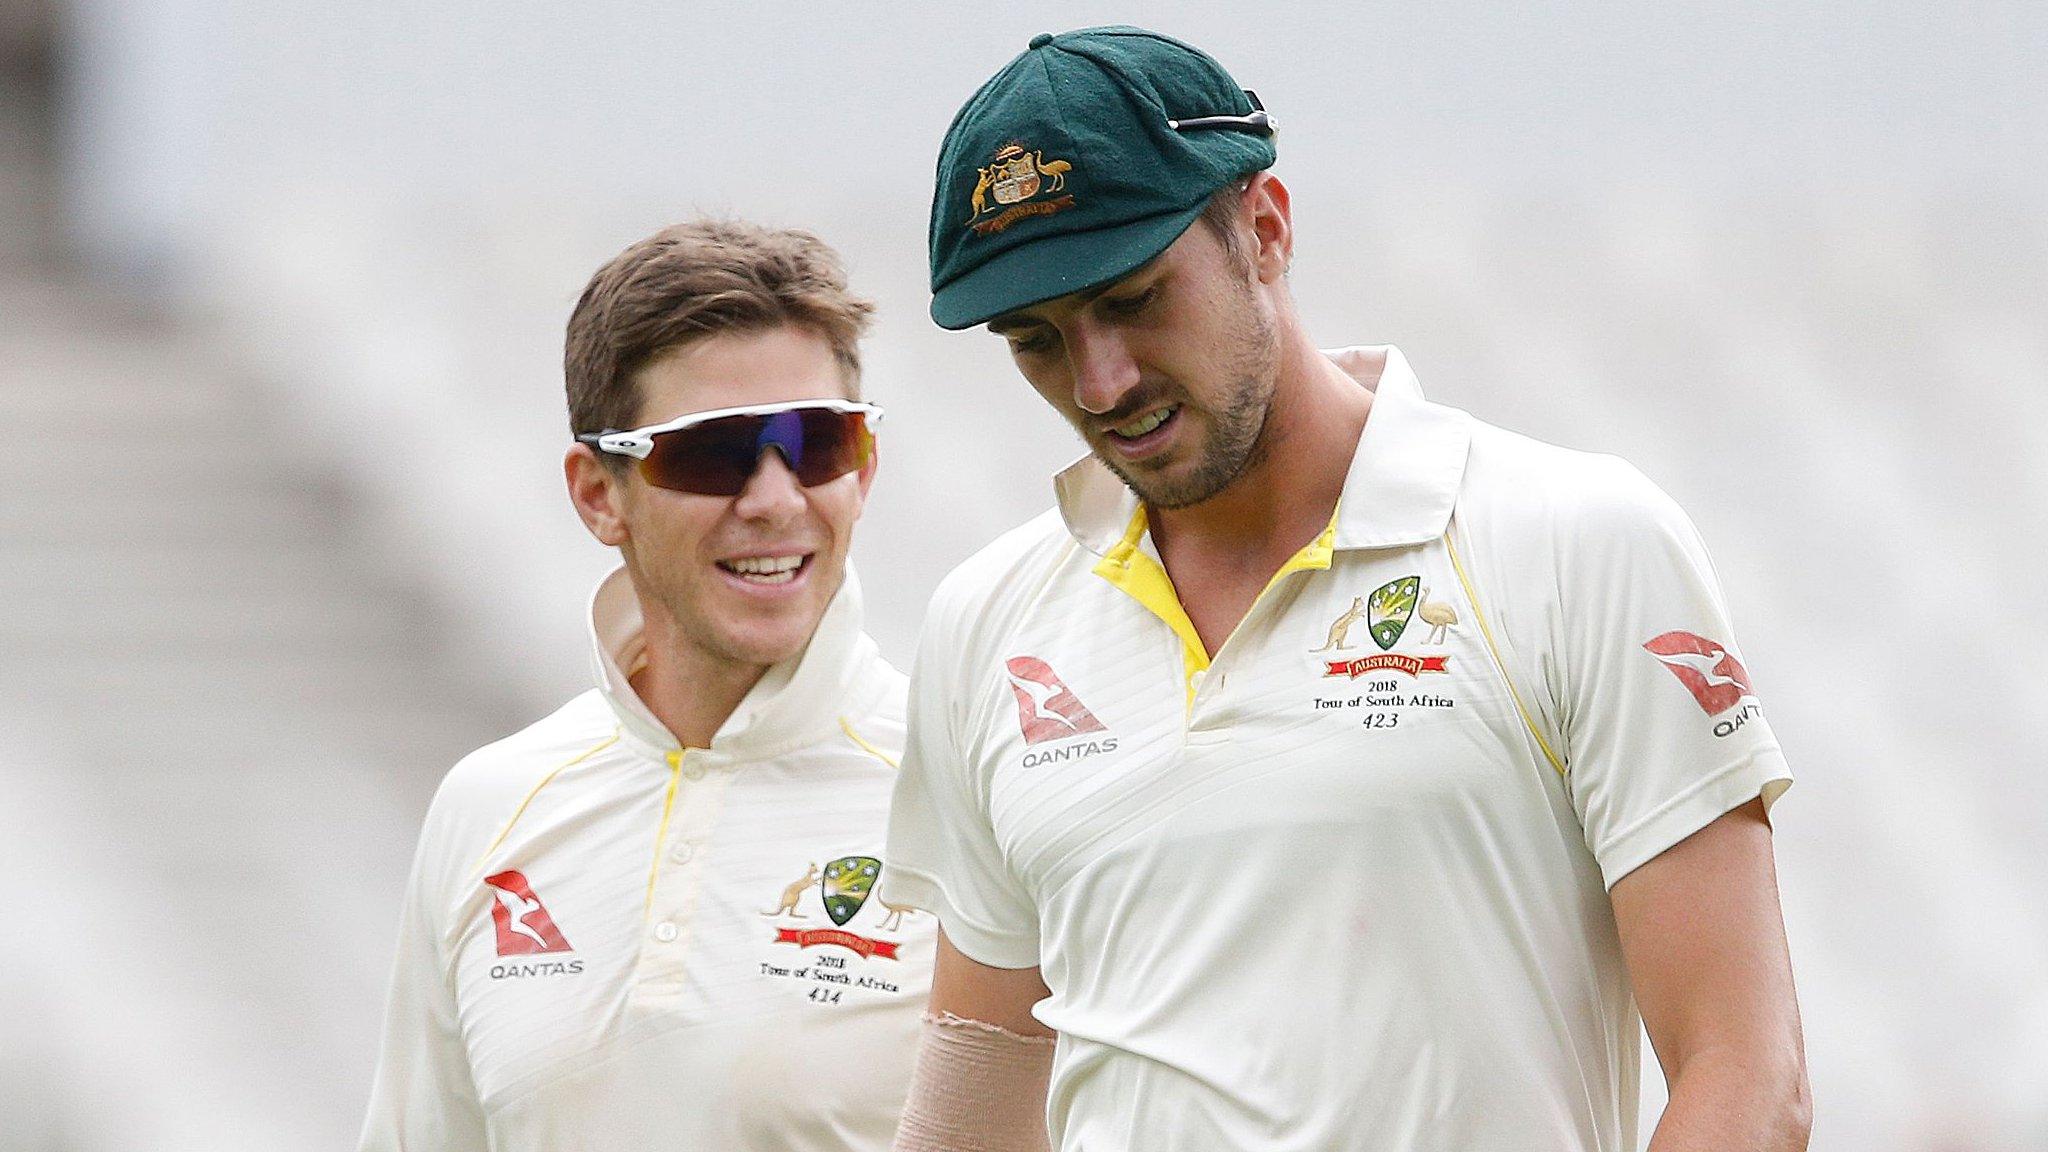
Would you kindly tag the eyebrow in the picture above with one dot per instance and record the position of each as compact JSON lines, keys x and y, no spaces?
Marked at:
{"x":1011,"y":321}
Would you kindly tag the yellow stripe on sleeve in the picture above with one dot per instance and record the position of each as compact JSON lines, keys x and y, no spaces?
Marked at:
{"x":544,"y":782}
{"x":871,"y":750}
{"x":1472,"y":597}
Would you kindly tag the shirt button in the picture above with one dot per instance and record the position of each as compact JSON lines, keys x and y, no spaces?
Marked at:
{"x":683,"y":852}
{"x":693,"y":772}
{"x":1195,"y":681}
{"x":666,"y":931}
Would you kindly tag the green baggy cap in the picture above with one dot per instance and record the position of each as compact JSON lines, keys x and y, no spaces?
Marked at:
{"x":1083,"y":158}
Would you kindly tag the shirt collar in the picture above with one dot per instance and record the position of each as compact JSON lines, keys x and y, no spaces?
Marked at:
{"x":1400,"y":489}
{"x":797,"y":702}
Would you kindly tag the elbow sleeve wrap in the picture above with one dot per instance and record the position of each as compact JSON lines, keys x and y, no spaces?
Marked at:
{"x":977,"y":1088}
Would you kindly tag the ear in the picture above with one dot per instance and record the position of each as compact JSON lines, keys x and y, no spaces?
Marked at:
{"x":598,"y":494}
{"x":1272,"y":218}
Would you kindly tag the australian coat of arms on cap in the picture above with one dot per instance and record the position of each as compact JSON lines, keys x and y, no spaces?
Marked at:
{"x":1014,"y":180}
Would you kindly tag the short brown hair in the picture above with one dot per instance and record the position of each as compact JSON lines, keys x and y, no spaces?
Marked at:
{"x":691,"y":281}
{"x":1221,"y":215}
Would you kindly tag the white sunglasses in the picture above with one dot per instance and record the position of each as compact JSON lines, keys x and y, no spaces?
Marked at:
{"x":714,"y":453}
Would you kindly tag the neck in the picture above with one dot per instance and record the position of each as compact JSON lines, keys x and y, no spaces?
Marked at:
{"x":690,"y":691}
{"x":1285,"y":497}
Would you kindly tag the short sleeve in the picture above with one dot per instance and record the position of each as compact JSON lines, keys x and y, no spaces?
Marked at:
{"x":1663,"y":723}
{"x":943,"y":855}
{"x":423,"y":1096}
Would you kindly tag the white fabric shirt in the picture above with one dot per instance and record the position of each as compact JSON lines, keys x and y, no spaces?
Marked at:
{"x":1344,"y":887}
{"x":610,"y":942}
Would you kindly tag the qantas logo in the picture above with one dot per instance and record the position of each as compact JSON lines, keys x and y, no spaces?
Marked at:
{"x":1707,"y":669}
{"x":524,"y":926}
{"x":1046,"y":708}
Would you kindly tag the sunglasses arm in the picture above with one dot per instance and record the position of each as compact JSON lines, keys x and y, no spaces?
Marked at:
{"x":631,"y":444}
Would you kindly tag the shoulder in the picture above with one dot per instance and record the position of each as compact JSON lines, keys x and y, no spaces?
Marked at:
{"x":1564,"y":541}
{"x":875,"y":724}
{"x":486,"y":786}
{"x":887,"y":685}
{"x":1521,"y":492}
{"x":997,"y":582}
{"x":502,"y":772}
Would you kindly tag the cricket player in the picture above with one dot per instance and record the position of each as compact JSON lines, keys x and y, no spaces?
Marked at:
{"x":1330,"y":771}
{"x":649,"y":920}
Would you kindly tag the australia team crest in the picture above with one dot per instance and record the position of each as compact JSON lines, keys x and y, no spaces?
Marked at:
{"x":1389,"y":609}
{"x":848,"y":880}
{"x":1386,"y":612}
{"x":1017,"y":183}
{"x":844,"y":888}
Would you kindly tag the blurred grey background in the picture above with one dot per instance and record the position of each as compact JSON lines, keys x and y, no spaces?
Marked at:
{"x":282,"y":288}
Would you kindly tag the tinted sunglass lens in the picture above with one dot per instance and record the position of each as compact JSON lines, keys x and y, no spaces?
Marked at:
{"x":713,"y":459}
{"x":834,"y":443}
{"x":717,"y":458}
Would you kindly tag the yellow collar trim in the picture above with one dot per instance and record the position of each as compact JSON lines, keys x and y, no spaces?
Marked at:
{"x":1143,"y":578}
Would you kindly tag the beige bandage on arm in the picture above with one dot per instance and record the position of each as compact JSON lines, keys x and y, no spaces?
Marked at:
{"x":977,"y":1088}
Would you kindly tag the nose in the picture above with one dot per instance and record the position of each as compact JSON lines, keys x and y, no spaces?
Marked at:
{"x":1102,"y":367}
{"x":772,"y":493}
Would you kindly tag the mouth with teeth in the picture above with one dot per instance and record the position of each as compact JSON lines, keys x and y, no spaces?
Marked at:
{"x":1145,"y":433}
{"x":767,"y":571}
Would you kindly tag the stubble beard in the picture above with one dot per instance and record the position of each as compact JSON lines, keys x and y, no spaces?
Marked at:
{"x":1236,"y":443}
{"x":702,"y":633}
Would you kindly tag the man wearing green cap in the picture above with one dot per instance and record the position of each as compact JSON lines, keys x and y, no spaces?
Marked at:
{"x":1331,"y":770}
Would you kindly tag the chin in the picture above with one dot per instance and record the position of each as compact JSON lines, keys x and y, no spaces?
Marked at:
{"x":766,"y":645}
{"x":774,"y":640}
{"x":1169,"y":488}
{"x":741,"y":630}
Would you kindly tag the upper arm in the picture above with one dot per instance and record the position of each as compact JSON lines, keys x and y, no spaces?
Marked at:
{"x":971,"y":990}
{"x":943,"y":852}
{"x":1704,"y":941}
{"x":423,"y":1094}
{"x":1664,"y":731}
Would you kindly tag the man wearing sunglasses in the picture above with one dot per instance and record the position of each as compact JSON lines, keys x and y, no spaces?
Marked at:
{"x":650,"y":920}
{"x":1333,"y":771}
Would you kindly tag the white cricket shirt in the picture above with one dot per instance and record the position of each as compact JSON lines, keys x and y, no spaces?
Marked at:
{"x":611,"y":942}
{"x":1344,"y":887}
